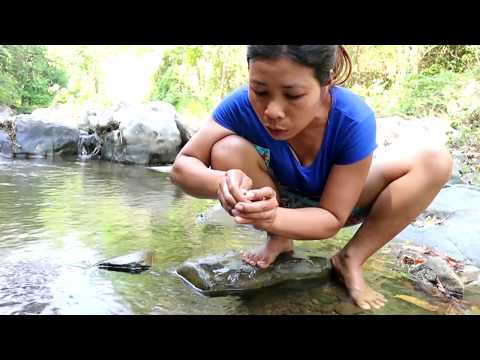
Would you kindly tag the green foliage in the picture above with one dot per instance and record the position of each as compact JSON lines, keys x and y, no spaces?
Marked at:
{"x":454,"y":58}
{"x":425,"y":93}
{"x":28,"y":78}
{"x":81,"y":63}
{"x":195,"y":78}
{"x":469,"y":132}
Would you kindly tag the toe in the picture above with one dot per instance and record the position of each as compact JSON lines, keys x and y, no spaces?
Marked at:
{"x":378,"y":303}
{"x":364,"y":305}
{"x":263,"y":264}
{"x":256,"y":258}
{"x":248,"y":258}
{"x":375,"y":305}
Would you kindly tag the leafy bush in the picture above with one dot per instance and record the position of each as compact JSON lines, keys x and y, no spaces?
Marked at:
{"x":28,"y":79}
{"x":195,"y":78}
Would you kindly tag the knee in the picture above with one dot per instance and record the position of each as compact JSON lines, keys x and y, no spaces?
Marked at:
{"x":229,"y":150}
{"x":438,"y":163}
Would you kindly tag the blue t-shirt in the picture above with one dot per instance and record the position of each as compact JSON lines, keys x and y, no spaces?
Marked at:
{"x":350,"y":136}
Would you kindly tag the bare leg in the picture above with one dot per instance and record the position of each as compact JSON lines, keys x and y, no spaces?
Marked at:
{"x":399,"y":191}
{"x":234,"y":152}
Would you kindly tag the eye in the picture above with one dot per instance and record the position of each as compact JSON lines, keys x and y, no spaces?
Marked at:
{"x":260,"y":93}
{"x":294,"y":97}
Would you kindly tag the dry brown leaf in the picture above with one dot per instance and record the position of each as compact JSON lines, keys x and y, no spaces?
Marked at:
{"x":420,"y":303}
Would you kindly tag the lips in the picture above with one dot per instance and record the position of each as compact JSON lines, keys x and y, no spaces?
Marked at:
{"x":276,"y":132}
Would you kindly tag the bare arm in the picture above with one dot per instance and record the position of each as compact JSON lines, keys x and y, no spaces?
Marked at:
{"x":191,"y":169}
{"x":341,"y":193}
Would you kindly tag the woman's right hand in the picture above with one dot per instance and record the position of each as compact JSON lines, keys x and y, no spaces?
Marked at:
{"x":233,"y":189}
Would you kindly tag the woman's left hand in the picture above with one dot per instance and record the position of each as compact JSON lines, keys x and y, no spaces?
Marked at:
{"x":260,"y":212}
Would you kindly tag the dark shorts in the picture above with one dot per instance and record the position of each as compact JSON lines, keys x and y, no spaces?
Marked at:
{"x":293,"y":200}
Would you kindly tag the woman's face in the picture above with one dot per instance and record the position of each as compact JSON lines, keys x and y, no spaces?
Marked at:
{"x":285,"y":95}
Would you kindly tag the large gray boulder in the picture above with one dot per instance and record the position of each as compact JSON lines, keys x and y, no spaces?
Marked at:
{"x":187,"y":127}
{"x":61,"y":114}
{"x":451,"y":224}
{"x":5,"y":145}
{"x":230,"y":275}
{"x":36,"y":138}
{"x":148,"y":135}
{"x":5,"y":113}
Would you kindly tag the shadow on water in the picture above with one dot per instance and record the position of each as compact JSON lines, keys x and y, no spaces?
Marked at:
{"x":57,"y":218}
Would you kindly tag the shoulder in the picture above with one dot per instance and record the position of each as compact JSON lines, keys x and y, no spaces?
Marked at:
{"x":351,"y":106}
{"x":236,"y":113}
{"x":236,"y":99}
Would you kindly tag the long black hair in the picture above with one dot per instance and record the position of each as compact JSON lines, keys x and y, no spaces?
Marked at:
{"x":322,"y":58}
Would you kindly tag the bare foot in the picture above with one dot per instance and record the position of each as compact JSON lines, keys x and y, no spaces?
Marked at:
{"x":352,"y":277}
{"x":264,"y":256}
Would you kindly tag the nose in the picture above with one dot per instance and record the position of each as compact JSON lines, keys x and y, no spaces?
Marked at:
{"x":274,"y":111}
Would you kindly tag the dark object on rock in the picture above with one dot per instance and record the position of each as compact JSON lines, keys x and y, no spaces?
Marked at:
{"x":109,"y":127}
{"x":132,"y":263}
{"x":230,"y":275}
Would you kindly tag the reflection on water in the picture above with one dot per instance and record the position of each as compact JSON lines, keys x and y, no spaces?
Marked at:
{"x":59,"y":217}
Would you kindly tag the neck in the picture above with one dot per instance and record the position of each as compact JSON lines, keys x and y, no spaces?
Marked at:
{"x":309,"y":141}
{"x":309,"y":135}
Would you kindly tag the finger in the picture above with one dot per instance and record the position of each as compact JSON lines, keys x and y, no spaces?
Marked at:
{"x":229,"y":199}
{"x":265,"y":215}
{"x":256,"y":206}
{"x":246,"y":184}
{"x":237,"y":193}
{"x":260,"y":194}
{"x":241,"y":220}
{"x":224,"y":204}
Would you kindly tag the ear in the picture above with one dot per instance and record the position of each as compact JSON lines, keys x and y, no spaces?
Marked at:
{"x":330,"y":80}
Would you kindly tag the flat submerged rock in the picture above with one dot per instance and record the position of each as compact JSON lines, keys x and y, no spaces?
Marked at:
{"x":133,"y":263}
{"x":228,"y":274}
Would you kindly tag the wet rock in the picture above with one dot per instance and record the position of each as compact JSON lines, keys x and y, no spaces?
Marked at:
{"x":61,"y":114}
{"x":435,"y":273}
{"x":40,"y":139}
{"x":230,"y":275}
{"x":90,"y":146}
{"x":450,"y":224}
{"x":5,"y":113}
{"x":5,"y":145}
{"x":148,"y":135}
{"x":186,"y":131}
{"x":132,"y":263}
